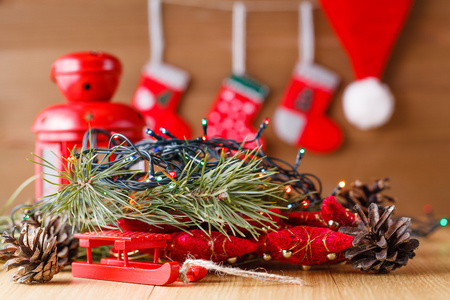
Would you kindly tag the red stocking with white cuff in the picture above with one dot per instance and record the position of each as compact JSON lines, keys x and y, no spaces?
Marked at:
{"x":301,"y":118}
{"x":161,"y":85}
{"x":157,"y":96}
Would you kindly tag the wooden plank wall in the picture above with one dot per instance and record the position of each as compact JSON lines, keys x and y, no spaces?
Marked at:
{"x":413,"y":149}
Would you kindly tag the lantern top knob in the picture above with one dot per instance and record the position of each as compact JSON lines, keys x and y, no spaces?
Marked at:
{"x":88,"y":80}
{"x":87,"y":76}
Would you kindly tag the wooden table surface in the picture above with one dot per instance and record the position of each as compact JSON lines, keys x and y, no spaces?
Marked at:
{"x":427,"y":276}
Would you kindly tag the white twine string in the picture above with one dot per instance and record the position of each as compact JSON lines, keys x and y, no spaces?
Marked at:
{"x":306,"y":33}
{"x":238,"y":43}
{"x":155,"y":31}
{"x":209,"y":265}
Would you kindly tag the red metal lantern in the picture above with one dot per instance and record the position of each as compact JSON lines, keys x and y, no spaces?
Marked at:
{"x":87,"y":80}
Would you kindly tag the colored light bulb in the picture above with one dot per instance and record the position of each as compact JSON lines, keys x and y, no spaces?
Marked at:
{"x":338,"y":187}
{"x":172,"y":174}
{"x":205,"y":128}
{"x":427,"y":208}
{"x":288,"y":188}
{"x":300,"y":154}
{"x":305,"y":203}
{"x":152,"y":134}
{"x":443,"y":222}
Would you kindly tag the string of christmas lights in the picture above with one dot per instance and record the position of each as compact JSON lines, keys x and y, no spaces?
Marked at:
{"x":429,"y":224}
{"x":164,"y":157}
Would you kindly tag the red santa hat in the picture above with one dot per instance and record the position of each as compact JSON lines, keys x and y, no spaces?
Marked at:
{"x":368,"y":30}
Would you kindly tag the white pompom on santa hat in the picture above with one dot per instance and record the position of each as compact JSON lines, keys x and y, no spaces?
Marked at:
{"x":368,"y":30}
{"x":368,"y":103}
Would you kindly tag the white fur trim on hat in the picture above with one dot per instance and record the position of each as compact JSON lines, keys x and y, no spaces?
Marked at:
{"x":368,"y":103}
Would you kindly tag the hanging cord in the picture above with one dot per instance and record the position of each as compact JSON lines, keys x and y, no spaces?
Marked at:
{"x":306,"y":33}
{"x":254,"y":6}
{"x":238,"y":45}
{"x":155,"y":31}
{"x":209,"y":265}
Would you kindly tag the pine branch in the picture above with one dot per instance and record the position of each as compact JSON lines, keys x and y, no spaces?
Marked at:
{"x":88,"y":200}
{"x":228,"y":195}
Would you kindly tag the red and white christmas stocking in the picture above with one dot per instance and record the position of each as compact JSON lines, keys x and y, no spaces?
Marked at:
{"x":368,"y":30}
{"x":301,"y":118}
{"x":238,"y":102}
{"x":240,"y":97}
{"x":161,"y":86}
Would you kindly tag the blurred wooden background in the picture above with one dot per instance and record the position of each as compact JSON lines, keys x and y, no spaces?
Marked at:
{"x":413,"y":149}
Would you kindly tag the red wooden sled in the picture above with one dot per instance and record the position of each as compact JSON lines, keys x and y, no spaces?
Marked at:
{"x":120,"y":268}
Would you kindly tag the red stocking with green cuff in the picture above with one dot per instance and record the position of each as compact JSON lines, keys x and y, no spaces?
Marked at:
{"x":238,"y":102}
{"x":240,"y":97}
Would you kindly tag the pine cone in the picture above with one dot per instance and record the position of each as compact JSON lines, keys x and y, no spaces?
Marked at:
{"x":380,"y":245}
{"x":34,"y":253}
{"x":362,"y":195}
{"x":5,"y":225}
{"x":66,"y":244}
